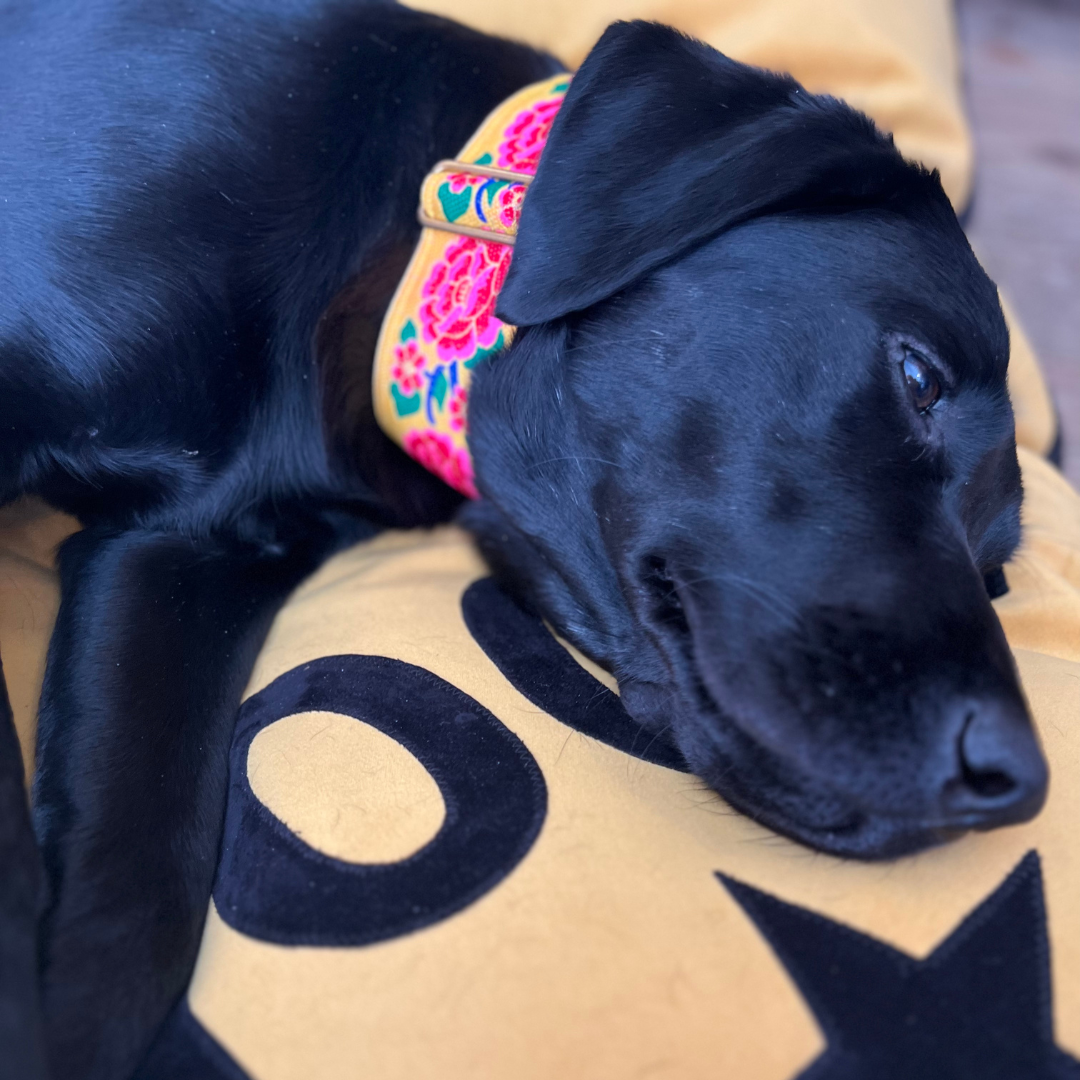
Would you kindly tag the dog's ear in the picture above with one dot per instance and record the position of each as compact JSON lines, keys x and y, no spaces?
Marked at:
{"x":663,"y":142}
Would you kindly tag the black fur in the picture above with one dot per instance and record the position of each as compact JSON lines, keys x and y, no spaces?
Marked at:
{"x":698,"y":457}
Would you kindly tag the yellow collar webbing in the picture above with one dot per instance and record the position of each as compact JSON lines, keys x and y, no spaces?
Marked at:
{"x":441,"y":322}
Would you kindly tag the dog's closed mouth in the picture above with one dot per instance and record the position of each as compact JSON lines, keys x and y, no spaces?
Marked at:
{"x":763,"y":787}
{"x":735,"y":764}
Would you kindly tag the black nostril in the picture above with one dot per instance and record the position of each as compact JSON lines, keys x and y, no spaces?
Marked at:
{"x":989,"y":784}
{"x":1002,"y":773}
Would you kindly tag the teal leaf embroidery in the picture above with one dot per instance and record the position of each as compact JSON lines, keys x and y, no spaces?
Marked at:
{"x":483,"y":159}
{"x":408,"y":330}
{"x":454,"y":203}
{"x":558,"y":88}
{"x":482,"y":354}
{"x":405,"y":405}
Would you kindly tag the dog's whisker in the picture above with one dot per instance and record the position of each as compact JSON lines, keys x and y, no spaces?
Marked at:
{"x":578,"y":458}
{"x":773,"y":600}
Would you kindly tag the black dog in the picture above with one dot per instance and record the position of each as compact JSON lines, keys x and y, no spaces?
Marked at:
{"x":751,"y":449}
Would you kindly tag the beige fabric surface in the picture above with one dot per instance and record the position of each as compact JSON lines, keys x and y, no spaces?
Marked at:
{"x":1036,"y":422}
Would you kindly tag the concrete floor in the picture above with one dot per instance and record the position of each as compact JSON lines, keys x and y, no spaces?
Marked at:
{"x":1022,"y":60}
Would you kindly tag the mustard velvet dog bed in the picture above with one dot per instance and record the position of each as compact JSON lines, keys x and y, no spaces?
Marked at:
{"x":449,"y":853}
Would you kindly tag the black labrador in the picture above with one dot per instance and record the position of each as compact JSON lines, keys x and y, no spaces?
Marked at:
{"x":751,"y":449}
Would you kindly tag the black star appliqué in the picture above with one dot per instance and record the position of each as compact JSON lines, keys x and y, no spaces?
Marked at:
{"x":979,"y":1006}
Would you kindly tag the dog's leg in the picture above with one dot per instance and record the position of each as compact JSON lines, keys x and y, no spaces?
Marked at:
{"x":154,"y":641}
{"x":22,"y":1046}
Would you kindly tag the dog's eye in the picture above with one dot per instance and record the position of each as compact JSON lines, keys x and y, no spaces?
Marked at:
{"x":921,"y":381}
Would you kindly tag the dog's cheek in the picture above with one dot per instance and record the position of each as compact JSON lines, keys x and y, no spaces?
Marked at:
{"x":526,"y":571}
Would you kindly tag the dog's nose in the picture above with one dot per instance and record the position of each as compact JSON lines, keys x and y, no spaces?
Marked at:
{"x":1001,"y":773}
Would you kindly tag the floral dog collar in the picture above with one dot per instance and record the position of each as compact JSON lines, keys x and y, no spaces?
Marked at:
{"x":441,"y":322}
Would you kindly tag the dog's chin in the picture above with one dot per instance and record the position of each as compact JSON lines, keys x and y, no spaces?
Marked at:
{"x":849,"y":833}
{"x":770,"y":790}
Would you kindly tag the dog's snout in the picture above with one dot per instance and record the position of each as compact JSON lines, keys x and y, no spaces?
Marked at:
{"x":1000,"y":775}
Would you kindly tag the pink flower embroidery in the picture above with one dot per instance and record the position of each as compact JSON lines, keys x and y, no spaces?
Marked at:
{"x":524,"y":139}
{"x":508,"y":204}
{"x":456,"y":408}
{"x":457,"y":302}
{"x":438,"y":454}
{"x":407,"y":366}
{"x":460,"y":181}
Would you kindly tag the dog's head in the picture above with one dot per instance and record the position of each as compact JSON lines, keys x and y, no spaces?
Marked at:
{"x":752,"y":448}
